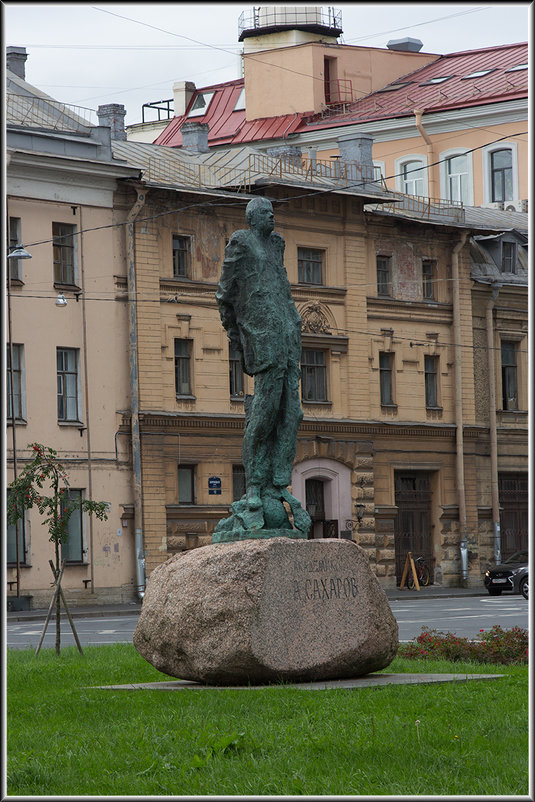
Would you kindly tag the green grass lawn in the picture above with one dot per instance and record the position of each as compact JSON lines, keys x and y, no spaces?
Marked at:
{"x":65,"y":738}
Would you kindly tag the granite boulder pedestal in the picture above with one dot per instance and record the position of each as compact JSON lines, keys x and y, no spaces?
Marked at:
{"x":267,"y":610}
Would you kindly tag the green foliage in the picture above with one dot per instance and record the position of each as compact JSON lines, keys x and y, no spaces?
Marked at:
{"x":497,"y":646}
{"x":27,"y":490}
{"x":67,"y":737}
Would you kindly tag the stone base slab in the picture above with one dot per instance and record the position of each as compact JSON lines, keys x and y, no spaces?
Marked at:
{"x":261,"y":611}
{"x":370,"y":681}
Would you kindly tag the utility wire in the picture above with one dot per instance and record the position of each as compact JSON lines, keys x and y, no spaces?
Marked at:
{"x":236,"y":201}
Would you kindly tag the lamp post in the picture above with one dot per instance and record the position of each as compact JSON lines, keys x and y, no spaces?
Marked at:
{"x":17,"y":253}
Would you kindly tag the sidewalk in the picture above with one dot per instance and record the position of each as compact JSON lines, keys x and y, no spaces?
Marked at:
{"x":133,"y":608}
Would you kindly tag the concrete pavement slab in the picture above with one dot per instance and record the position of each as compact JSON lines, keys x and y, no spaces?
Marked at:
{"x":368,"y":681}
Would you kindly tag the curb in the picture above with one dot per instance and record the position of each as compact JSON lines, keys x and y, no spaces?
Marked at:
{"x":134,"y":608}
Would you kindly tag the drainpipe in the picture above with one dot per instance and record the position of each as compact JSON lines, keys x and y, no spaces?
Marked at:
{"x":492,"y":425}
{"x":134,"y":391}
{"x":459,"y":402}
{"x":430,"y":155}
{"x":86,"y":396}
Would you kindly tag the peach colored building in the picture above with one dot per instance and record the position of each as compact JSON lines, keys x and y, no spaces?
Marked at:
{"x":70,"y":361}
{"x":450,"y":126}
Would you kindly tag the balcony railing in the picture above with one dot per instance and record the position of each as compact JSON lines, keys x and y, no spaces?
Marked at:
{"x":36,"y":112}
{"x":268,"y":18}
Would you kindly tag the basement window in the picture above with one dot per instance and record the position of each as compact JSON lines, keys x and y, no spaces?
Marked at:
{"x":200,"y":104}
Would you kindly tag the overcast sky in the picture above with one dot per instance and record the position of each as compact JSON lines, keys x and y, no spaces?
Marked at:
{"x":132,"y":53}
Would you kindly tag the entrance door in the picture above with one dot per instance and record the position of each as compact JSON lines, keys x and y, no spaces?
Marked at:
{"x":315,"y":504}
{"x":513,"y":495}
{"x":412,"y":530}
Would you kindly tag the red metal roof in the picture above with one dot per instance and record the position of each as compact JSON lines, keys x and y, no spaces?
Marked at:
{"x":230,"y":127}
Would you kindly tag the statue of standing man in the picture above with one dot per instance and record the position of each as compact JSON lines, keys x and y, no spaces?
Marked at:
{"x":263,"y":324}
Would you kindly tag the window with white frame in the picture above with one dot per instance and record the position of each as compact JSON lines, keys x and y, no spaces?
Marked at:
{"x":200,"y":104}
{"x":73,"y":550}
{"x":16,"y":396}
{"x":456,"y":176}
{"x":67,"y":360}
{"x":500,"y":172}
{"x":64,"y":250}
{"x":411,"y":175}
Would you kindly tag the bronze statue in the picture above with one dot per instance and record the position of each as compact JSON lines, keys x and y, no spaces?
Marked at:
{"x":263,"y":324}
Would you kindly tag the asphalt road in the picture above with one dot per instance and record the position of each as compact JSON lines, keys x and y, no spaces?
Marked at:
{"x":463,"y":616}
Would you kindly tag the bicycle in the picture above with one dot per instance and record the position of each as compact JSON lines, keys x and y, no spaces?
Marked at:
{"x":422,"y":572}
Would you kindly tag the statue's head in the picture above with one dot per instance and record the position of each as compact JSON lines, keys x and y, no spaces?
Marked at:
{"x":259,"y":215}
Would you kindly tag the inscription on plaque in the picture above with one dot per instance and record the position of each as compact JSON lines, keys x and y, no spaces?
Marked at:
{"x":323,"y":588}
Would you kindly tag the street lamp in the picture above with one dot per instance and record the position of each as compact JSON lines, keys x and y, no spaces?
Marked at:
{"x":18,"y":252}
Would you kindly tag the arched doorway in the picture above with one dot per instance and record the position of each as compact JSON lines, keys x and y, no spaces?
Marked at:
{"x":324,"y":487}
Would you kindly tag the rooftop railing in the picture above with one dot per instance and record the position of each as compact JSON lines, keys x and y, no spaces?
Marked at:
{"x":270,"y":17}
{"x":36,"y":112}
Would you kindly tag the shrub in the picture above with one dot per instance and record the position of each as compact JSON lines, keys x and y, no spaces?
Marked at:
{"x":498,"y":645}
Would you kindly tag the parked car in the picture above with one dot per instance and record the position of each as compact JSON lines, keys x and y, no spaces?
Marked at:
{"x":512,"y":575}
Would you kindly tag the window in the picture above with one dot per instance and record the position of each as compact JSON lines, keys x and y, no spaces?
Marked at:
{"x":240,"y":102}
{"x":386,"y":369}
{"x":509,"y":376}
{"x":235,"y":372}
{"x":15,"y":238}
{"x":413,"y":178}
{"x":440,"y":80}
{"x":200,"y":104}
{"x":181,"y":256}
{"x":384,"y":278}
{"x":64,"y":253}
{"x":431,"y":381}
{"x":11,"y":542}
{"x":501,"y":172}
{"x":310,"y":265}
{"x":478,"y":73}
{"x":457,"y":172}
{"x":518,"y":68}
{"x":186,"y":484}
{"x":18,"y":395}
{"x":393,"y":87}
{"x":67,"y":375}
{"x":73,"y":551}
{"x":183,"y":367}
{"x":428,"y":279}
{"x":313,"y":375}
{"x":238,"y":482}
{"x":508,"y":257}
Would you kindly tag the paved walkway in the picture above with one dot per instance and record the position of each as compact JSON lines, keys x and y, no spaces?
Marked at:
{"x":133,"y":608}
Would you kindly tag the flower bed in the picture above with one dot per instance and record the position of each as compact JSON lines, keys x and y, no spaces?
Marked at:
{"x":498,"y":645}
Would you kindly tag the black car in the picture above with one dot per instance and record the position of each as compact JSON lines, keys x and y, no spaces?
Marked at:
{"x":512,"y":574}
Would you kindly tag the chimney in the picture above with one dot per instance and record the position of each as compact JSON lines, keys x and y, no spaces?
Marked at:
{"x":16,"y":60}
{"x":112,"y":116}
{"x":195,"y":136}
{"x":406,"y":45}
{"x":291,"y":154}
{"x":357,"y":149}
{"x":182,"y":93}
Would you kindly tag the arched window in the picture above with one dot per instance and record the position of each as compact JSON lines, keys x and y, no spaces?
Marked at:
{"x":501,"y":175}
{"x":411,"y":174}
{"x":413,"y":178}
